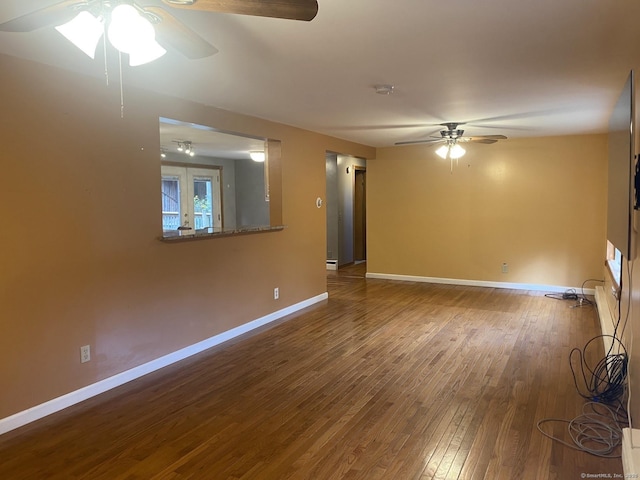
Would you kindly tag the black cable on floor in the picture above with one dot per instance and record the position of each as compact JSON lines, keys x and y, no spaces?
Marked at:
{"x":607,"y":378}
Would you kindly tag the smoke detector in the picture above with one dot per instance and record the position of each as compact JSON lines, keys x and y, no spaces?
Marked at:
{"x":384,"y":89}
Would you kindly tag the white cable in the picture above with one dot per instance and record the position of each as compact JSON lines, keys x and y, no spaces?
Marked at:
{"x":592,"y":432}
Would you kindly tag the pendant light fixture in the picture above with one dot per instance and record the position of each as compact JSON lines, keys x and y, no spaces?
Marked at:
{"x":257,"y":156}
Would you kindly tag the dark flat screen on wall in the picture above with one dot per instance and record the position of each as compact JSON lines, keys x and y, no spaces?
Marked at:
{"x":621,"y":170}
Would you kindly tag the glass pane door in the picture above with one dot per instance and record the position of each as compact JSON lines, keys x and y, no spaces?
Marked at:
{"x":202,"y":202}
{"x":204,"y":189}
{"x":170,"y":203}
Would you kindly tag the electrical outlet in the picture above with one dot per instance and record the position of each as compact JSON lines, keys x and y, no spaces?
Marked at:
{"x":276,"y":293}
{"x":85,"y":353}
{"x":505,"y":268}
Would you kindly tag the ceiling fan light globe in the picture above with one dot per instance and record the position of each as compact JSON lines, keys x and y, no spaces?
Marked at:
{"x":128,"y":30}
{"x":146,"y":53}
{"x":84,"y":31}
{"x":443,"y":151}
{"x":456,"y":151}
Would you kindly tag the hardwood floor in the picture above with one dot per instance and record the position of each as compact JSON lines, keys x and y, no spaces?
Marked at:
{"x":385,"y":380}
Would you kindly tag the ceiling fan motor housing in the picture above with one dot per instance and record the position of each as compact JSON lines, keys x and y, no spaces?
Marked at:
{"x":452,"y":134}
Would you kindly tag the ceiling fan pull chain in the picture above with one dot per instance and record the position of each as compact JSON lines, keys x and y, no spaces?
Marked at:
{"x":121,"y":86}
{"x":104,"y":49}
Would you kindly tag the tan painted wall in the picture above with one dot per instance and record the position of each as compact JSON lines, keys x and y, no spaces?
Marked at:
{"x":537,"y":204}
{"x":80,"y":262}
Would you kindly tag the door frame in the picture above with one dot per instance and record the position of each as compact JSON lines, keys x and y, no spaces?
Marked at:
{"x":363,"y":213}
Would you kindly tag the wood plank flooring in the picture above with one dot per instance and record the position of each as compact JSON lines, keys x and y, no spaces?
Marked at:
{"x":385,"y":380}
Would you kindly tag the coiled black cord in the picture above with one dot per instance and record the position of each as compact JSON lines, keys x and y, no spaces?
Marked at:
{"x":607,"y":379}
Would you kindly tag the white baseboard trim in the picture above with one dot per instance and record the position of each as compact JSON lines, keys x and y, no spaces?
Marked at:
{"x":60,"y":403}
{"x":478,"y":283}
{"x":630,"y":452}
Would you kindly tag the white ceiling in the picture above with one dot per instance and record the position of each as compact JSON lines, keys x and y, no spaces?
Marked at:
{"x":518,"y":68}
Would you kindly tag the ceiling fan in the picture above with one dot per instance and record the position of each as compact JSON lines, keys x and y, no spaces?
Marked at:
{"x":451,"y":139}
{"x":168,"y":30}
{"x":453,"y":135}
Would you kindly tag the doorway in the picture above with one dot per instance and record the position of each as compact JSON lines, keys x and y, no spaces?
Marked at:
{"x":360,"y":214}
{"x":346,"y":210}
